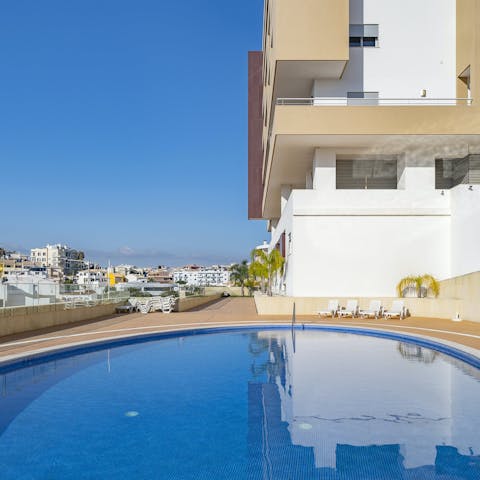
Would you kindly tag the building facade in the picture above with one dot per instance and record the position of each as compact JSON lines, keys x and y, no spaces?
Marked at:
{"x":203,"y":277}
{"x":61,"y":257}
{"x":364,"y":141}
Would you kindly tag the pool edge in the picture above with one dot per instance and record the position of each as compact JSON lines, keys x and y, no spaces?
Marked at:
{"x":459,"y":351}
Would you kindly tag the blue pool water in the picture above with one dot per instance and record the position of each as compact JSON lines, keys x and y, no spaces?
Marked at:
{"x":244,"y":405}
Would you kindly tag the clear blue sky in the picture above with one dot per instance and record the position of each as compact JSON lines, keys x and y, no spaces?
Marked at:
{"x":123,"y":128}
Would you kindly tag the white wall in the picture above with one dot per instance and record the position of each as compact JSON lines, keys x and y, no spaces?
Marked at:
{"x":360,"y":243}
{"x":285,"y":224}
{"x":417,"y":50}
{"x":340,"y":256}
{"x":465,"y":229}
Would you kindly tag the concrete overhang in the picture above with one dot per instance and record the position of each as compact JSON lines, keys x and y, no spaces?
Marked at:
{"x":299,"y":130}
{"x":295,"y":78}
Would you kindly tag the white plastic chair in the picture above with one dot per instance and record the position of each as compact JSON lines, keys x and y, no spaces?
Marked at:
{"x":397,"y":310}
{"x":331,"y":310}
{"x":374,"y":310}
{"x":351,"y":310}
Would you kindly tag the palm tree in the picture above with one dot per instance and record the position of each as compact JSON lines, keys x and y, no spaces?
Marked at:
{"x":240,"y":275}
{"x":266,"y":266}
{"x":258,"y":268}
{"x":422,"y":285}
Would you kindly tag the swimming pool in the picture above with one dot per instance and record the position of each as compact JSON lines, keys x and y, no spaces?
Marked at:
{"x":245,"y":404}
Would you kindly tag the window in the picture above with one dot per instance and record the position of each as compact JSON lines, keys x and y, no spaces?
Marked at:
{"x":370,"y":41}
{"x":355,"y":41}
{"x":366,"y":174}
{"x":450,"y":172}
{"x":364,"y":35}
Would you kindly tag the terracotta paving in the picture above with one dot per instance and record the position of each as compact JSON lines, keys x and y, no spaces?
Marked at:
{"x":230,"y":311}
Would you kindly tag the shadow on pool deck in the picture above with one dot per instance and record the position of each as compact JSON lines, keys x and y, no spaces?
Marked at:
{"x":227,"y":311}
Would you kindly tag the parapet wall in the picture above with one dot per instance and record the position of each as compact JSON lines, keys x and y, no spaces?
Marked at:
{"x":465,"y":289}
{"x":457,"y":295}
{"x":25,"y":319}
{"x":188,"y":303}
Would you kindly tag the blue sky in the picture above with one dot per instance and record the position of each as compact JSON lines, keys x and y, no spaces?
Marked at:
{"x":124,"y":128}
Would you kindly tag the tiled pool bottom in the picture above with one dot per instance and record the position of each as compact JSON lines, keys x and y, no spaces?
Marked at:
{"x":247,"y":405}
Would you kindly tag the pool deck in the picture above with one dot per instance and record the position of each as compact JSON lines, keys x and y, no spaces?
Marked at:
{"x":226,"y":312}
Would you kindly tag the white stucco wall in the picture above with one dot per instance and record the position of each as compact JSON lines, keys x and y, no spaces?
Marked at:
{"x":465,"y":229}
{"x":362,"y":242}
{"x":417,"y":50}
{"x":366,"y":255}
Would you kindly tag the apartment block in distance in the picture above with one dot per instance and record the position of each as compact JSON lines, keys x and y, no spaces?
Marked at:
{"x":364,"y":141}
{"x":61,"y":257}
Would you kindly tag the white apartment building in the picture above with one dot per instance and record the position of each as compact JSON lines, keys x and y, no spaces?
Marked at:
{"x":202,"y":278}
{"x":93,"y":278}
{"x":61,"y":257}
{"x":364,"y":142}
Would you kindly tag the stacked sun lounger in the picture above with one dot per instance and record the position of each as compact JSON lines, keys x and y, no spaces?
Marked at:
{"x":147,"y":305}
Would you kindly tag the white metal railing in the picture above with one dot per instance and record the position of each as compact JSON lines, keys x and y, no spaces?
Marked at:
{"x":344,"y":101}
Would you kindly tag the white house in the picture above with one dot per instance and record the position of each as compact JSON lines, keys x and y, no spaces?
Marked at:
{"x":203,"y":277}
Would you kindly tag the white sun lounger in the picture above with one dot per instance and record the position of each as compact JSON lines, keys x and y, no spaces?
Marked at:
{"x":397,"y":310}
{"x":374,"y":310}
{"x":331,"y":310}
{"x":350,"y":310}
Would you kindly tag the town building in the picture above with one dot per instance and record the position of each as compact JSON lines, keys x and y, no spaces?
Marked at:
{"x":364,"y":141}
{"x":96,"y":278}
{"x":203,"y":277}
{"x":154,"y":289}
{"x":68,"y":260}
{"x":28,"y":290}
{"x":160,"y":274}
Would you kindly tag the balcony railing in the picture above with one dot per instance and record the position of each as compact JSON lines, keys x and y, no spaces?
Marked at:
{"x":343,"y":101}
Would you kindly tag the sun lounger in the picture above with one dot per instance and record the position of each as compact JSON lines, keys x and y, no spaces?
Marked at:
{"x":331,"y":310}
{"x":125,"y":309}
{"x":167,"y":305}
{"x":351,"y":310}
{"x":374,"y":310}
{"x":397,"y":310}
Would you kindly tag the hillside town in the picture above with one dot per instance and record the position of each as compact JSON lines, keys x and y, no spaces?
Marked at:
{"x":50,"y":271}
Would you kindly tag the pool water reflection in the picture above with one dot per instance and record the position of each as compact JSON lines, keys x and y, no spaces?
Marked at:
{"x":252,"y":404}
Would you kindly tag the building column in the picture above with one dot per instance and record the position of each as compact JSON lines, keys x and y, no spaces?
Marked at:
{"x":324,"y":169}
{"x":419,"y":171}
{"x":309,"y":180}
{"x":286,"y":190}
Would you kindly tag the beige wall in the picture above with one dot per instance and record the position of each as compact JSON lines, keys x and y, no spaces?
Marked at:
{"x":25,"y":319}
{"x":300,"y":30}
{"x":376,"y":120}
{"x":425,"y":307}
{"x":466,"y":290}
{"x":187,"y":303}
{"x":457,"y":295}
{"x":311,"y":29}
{"x":235,"y":291}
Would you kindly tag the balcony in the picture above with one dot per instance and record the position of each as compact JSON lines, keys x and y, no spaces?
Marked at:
{"x":447,"y":127}
{"x":375,"y":116}
{"x":382,"y":102}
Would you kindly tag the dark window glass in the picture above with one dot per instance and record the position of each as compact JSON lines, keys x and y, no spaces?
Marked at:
{"x":355,"y":41}
{"x":369,"y":41}
{"x":443,"y":174}
{"x":450,"y":172}
{"x":366,"y":174}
